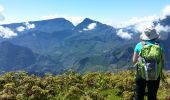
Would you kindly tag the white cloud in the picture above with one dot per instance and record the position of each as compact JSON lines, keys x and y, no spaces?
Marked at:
{"x":90,"y":27}
{"x":139,"y":25}
{"x":161,"y":28}
{"x":143,"y":25}
{"x":165,"y":12}
{"x":163,"y":31}
{"x":26,"y":26}
{"x":74,"y":19}
{"x":142,"y":21}
{"x":85,"y":29}
{"x":2,"y":18}
{"x":139,"y":20}
{"x":29,"y":26}
{"x":124,"y":35}
{"x":147,"y":22}
{"x":1,"y":8}
{"x":6,"y":32}
{"x":20,"y":28}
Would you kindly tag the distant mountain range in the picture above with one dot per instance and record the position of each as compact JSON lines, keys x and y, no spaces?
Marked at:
{"x":56,"y":45}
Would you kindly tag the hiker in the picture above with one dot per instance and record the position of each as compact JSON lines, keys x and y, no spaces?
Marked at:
{"x":149,"y":63}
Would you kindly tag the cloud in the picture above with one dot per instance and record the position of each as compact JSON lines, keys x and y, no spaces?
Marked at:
{"x":139,"y":21}
{"x":20,"y":28}
{"x":2,"y":18}
{"x":165,"y":12}
{"x":29,"y":26}
{"x":143,"y":25}
{"x":6,"y":32}
{"x":139,"y":24}
{"x":90,"y":27}
{"x":1,"y":8}
{"x":124,"y":35}
{"x":26,"y":26}
{"x":143,"y":21}
{"x":163,"y":31}
{"x":74,"y":19}
{"x":161,"y":28}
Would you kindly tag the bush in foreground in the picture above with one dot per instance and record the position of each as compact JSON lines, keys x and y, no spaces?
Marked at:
{"x":72,"y":86}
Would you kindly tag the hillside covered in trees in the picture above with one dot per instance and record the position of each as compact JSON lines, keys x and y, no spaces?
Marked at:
{"x":73,"y":86}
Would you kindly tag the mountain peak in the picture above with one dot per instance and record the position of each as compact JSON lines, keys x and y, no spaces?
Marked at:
{"x":88,"y":20}
{"x":54,"y":19}
{"x":48,"y":25}
{"x":53,"y":25}
{"x":91,"y":25}
{"x":85,"y":23}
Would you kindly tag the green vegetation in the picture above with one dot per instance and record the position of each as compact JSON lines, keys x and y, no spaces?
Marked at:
{"x":72,"y":86}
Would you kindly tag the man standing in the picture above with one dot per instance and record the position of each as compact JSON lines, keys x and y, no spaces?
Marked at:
{"x":149,"y":61}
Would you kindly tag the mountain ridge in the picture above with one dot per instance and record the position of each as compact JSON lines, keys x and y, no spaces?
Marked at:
{"x":89,"y":46}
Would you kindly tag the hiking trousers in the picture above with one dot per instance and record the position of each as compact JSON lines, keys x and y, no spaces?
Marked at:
{"x":152,"y":88}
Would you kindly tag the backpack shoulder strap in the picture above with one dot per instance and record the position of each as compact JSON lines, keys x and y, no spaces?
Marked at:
{"x":157,"y":43}
{"x":143,"y":43}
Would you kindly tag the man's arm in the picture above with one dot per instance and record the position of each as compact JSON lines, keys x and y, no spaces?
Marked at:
{"x":135,"y":58}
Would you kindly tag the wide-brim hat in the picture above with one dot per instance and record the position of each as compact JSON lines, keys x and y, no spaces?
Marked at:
{"x":149,"y":34}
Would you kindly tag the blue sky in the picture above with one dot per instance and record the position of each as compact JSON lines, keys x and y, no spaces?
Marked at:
{"x":114,"y":11}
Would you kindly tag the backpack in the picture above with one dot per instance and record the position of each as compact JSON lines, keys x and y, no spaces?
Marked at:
{"x":150,"y":61}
